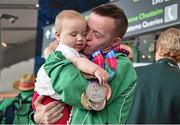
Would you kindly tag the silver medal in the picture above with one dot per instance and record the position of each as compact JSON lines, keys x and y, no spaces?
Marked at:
{"x":95,"y":92}
{"x":97,"y":106}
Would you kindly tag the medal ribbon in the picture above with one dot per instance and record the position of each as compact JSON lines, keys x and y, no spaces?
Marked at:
{"x":98,"y":58}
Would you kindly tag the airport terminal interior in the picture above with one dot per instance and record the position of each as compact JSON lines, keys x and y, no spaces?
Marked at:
{"x":27,"y":27}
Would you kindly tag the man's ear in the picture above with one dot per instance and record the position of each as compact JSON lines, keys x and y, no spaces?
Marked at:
{"x":116,"y":42}
{"x":57,"y":35}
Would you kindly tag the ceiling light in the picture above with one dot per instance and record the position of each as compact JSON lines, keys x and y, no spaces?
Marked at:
{"x":37,"y":5}
{"x":4,"y":44}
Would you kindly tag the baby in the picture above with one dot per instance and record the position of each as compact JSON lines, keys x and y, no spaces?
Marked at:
{"x":70,"y":33}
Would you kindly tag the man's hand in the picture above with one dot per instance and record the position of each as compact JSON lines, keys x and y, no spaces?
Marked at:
{"x":48,"y":50}
{"x":47,"y":114}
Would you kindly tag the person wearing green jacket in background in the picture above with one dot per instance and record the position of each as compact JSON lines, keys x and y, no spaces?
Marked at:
{"x":107,"y":25}
{"x":16,"y":110}
{"x":157,"y":95}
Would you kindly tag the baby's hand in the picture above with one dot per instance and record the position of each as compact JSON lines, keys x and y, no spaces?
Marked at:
{"x":102,"y":75}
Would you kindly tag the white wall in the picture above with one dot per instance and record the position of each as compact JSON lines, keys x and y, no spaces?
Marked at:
{"x":13,"y":73}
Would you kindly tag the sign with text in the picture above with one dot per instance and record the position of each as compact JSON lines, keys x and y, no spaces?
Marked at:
{"x":143,"y":16}
{"x":150,"y":15}
{"x":48,"y":36}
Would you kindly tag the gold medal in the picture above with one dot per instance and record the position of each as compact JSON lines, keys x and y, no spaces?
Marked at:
{"x":85,"y":101}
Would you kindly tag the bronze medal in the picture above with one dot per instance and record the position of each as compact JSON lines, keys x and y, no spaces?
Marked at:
{"x":85,"y":101}
{"x":108,"y":91}
{"x":97,"y":106}
{"x":95,"y":92}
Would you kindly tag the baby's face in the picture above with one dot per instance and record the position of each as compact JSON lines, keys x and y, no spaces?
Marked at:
{"x":73,"y":33}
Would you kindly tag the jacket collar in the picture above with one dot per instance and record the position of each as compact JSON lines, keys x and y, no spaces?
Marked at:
{"x":166,"y":60}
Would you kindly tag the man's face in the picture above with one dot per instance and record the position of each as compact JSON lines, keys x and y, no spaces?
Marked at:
{"x":99,"y":35}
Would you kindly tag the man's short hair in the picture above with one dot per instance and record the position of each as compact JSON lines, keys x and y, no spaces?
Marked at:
{"x":113,"y":11}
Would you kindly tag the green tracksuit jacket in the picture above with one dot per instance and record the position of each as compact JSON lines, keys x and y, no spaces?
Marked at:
{"x":68,"y":81}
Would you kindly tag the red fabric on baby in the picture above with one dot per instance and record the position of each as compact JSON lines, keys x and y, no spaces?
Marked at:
{"x":46,"y":100}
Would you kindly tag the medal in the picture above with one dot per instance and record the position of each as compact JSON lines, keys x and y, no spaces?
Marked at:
{"x":95,"y":92}
{"x":85,"y":101}
{"x":97,"y":106}
{"x":108,"y":91}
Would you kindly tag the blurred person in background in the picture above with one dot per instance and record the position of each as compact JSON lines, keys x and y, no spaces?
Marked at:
{"x":157,"y":96}
{"x":107,"y":25}
{"x":16,"y":110}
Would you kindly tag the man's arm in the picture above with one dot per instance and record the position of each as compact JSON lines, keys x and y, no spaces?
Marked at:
{"x":46,"y":114}
{"x":51,"y":48}
{"x":66,"y":79}
{"x":89,"y":67}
